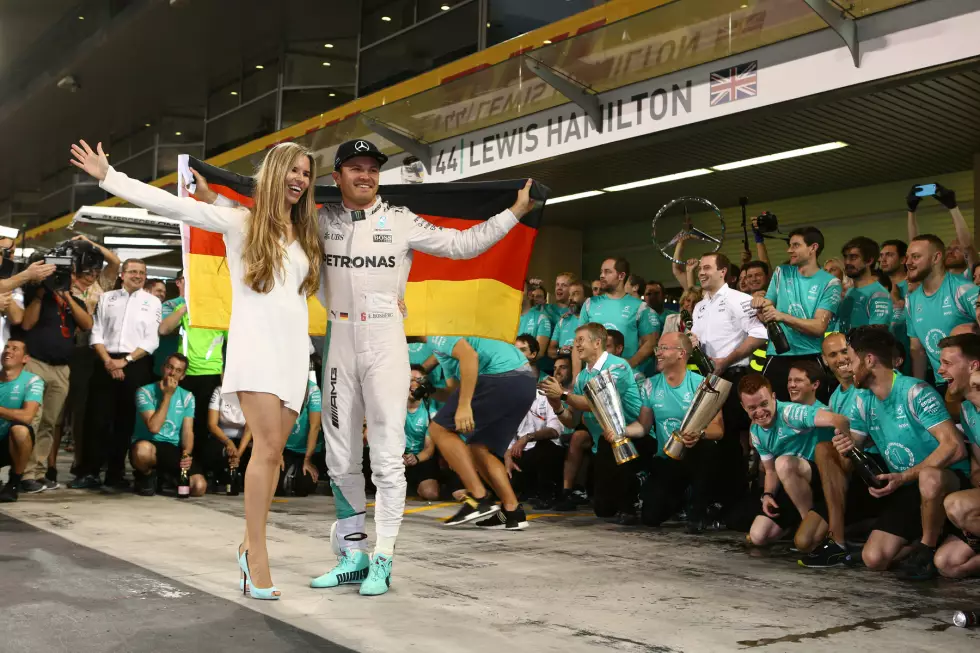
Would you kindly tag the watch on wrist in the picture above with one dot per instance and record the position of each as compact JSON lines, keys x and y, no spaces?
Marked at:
{"x":129,"y":358}
{"x":564,"y":397}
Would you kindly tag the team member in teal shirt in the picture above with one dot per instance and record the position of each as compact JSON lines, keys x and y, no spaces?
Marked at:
{"x":805,"y":380}
{"x":785,"y":436}
{"x":302,"y":444}
{"x":868,"y":302}
{"x":924,"y":453}
{"x":421,"y":468}
{"x":818,"y":535}
{"x":564,"y":333}
{"x":536,"y":321}
{"x":615,"y":309}
{"x":163,"y":435}
{"x":959,"y":555}
{"x":654,"y":296}
{"x":941,"y":302}
{"x":563,"y":285}
{"x":666,"y":397}
{"x":492,"y":389}
{"x":21,"y":393}
{"x":419,"y":353}
{"x":804,"y":299}
{"x":615,"y":488}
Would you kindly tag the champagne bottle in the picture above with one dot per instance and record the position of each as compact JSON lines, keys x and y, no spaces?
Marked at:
{"x":233,"y":487}
{"x":777,"y":337}
{"x":701,"y":360}
{"x":184,"y":484}
{"x":866,"y":468}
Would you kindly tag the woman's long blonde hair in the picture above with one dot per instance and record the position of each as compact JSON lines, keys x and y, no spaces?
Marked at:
{"x":265,"y":227}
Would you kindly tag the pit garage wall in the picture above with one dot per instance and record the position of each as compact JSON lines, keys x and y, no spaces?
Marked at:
{"x":875,"y":211}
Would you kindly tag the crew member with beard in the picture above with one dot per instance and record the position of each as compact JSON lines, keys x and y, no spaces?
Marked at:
{"x":941,"y":302}
{"x":868,"y":302}
{"x":924,"y":453}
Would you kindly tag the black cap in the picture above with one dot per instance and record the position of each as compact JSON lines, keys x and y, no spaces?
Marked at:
{"x":359,"y":147}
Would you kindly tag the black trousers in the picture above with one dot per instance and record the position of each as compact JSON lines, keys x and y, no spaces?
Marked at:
{"x":665,"y":490}
{"x":110,"y":416}
{"x":777,"y":371}
{"x":202,"y":387}
{"x":541,"y":471}
{"x":617,"y":487}
{"x":730,"y":480}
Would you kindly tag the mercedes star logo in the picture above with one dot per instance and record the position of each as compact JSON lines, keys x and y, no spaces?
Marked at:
{"x":361,"y":146}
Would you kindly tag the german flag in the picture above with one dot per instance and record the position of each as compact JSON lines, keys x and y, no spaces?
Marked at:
{"x":477,"y":297}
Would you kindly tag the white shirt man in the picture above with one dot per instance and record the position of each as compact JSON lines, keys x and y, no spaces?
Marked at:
{"x":725,"y":324}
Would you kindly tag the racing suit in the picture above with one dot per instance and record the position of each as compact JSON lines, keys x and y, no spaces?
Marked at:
{"x":366,"y":369}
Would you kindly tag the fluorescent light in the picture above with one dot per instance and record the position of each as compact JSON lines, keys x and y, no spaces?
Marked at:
{"x":386,"y":19}
{"x":326,"y":63}
{"x":146,"y":125}
{"x":260,"y":67}
{"x":328,"y":45}
{"x":574,"y":196}
{"x":333,"y":95}
{"x":142,"y":242}
{"x":81,"y":18}
{"x":176,"y":133}
{"x":826,"y":147}
{"x":444,"y":7}
{"x":234,"y":92}
{"x":547,"y":42}
{"x":659,"y":180}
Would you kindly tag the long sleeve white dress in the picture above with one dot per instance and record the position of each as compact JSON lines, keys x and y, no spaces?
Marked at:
{"x":268,"y":341}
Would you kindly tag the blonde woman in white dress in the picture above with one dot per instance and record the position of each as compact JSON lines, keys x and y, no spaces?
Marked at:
{"x":274,"y":253}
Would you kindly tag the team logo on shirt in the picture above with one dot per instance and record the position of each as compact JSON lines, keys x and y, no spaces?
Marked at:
{"x":796,"y":310}
{"x":670,"y":425}
{"x":626,"y":311}
{"x":932,"y":340}
{"x":813,"y":292}
{"x":899,"y":456}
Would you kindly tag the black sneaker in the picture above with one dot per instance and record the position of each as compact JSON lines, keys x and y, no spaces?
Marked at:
{"x":472,"y":509}
{"x":919,"y":565}
{"x":505,"y":520}
{"x":87,"y":482}
{"x":145,"y":485}
{"x":828,"y":554}
{"x":51,"y":484}
{"x":9,"y":493}
{"x":30,"y":486}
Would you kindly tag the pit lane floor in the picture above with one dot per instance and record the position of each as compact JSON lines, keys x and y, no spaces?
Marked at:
{"x":90,"y":571}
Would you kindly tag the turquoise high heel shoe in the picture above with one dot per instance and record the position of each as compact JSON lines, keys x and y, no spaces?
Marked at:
{"x":245,"y":584}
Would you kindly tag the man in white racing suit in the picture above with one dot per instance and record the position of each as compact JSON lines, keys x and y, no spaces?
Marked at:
{"x":368,"y":247}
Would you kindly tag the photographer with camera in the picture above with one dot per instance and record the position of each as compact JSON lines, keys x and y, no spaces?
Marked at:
{"x":51,"y":319}
{"x":12,"y":297}
{"x":421,"y":466}
{"x":961,"y":254}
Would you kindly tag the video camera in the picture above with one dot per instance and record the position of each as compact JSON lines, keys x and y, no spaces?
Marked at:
{"x":768,"y":226}
{"x":423,"y":391}
{"x":69,"y":256}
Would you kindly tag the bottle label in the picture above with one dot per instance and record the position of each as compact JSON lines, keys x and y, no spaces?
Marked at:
{"x":183,"y":490}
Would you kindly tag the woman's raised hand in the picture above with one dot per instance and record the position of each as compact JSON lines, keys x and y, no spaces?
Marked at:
{"x":94,"y":163}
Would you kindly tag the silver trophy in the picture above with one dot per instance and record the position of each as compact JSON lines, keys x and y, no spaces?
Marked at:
{"x":607,"y":407}
{"x":708,"y":400}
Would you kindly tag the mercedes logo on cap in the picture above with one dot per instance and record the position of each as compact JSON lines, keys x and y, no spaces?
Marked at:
{"x":361,"y":146}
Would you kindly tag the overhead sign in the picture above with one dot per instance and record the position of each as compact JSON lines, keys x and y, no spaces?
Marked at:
{"x":893,"y":43}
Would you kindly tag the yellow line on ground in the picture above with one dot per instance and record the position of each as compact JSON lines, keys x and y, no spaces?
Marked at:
{"x":432,"y":507}
{"x":559,"y":514}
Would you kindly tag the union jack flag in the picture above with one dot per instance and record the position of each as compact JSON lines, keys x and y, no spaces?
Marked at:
{"x":735,"y":83}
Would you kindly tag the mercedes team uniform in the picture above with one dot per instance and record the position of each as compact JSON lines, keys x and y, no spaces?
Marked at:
{"x":367,"y":257}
